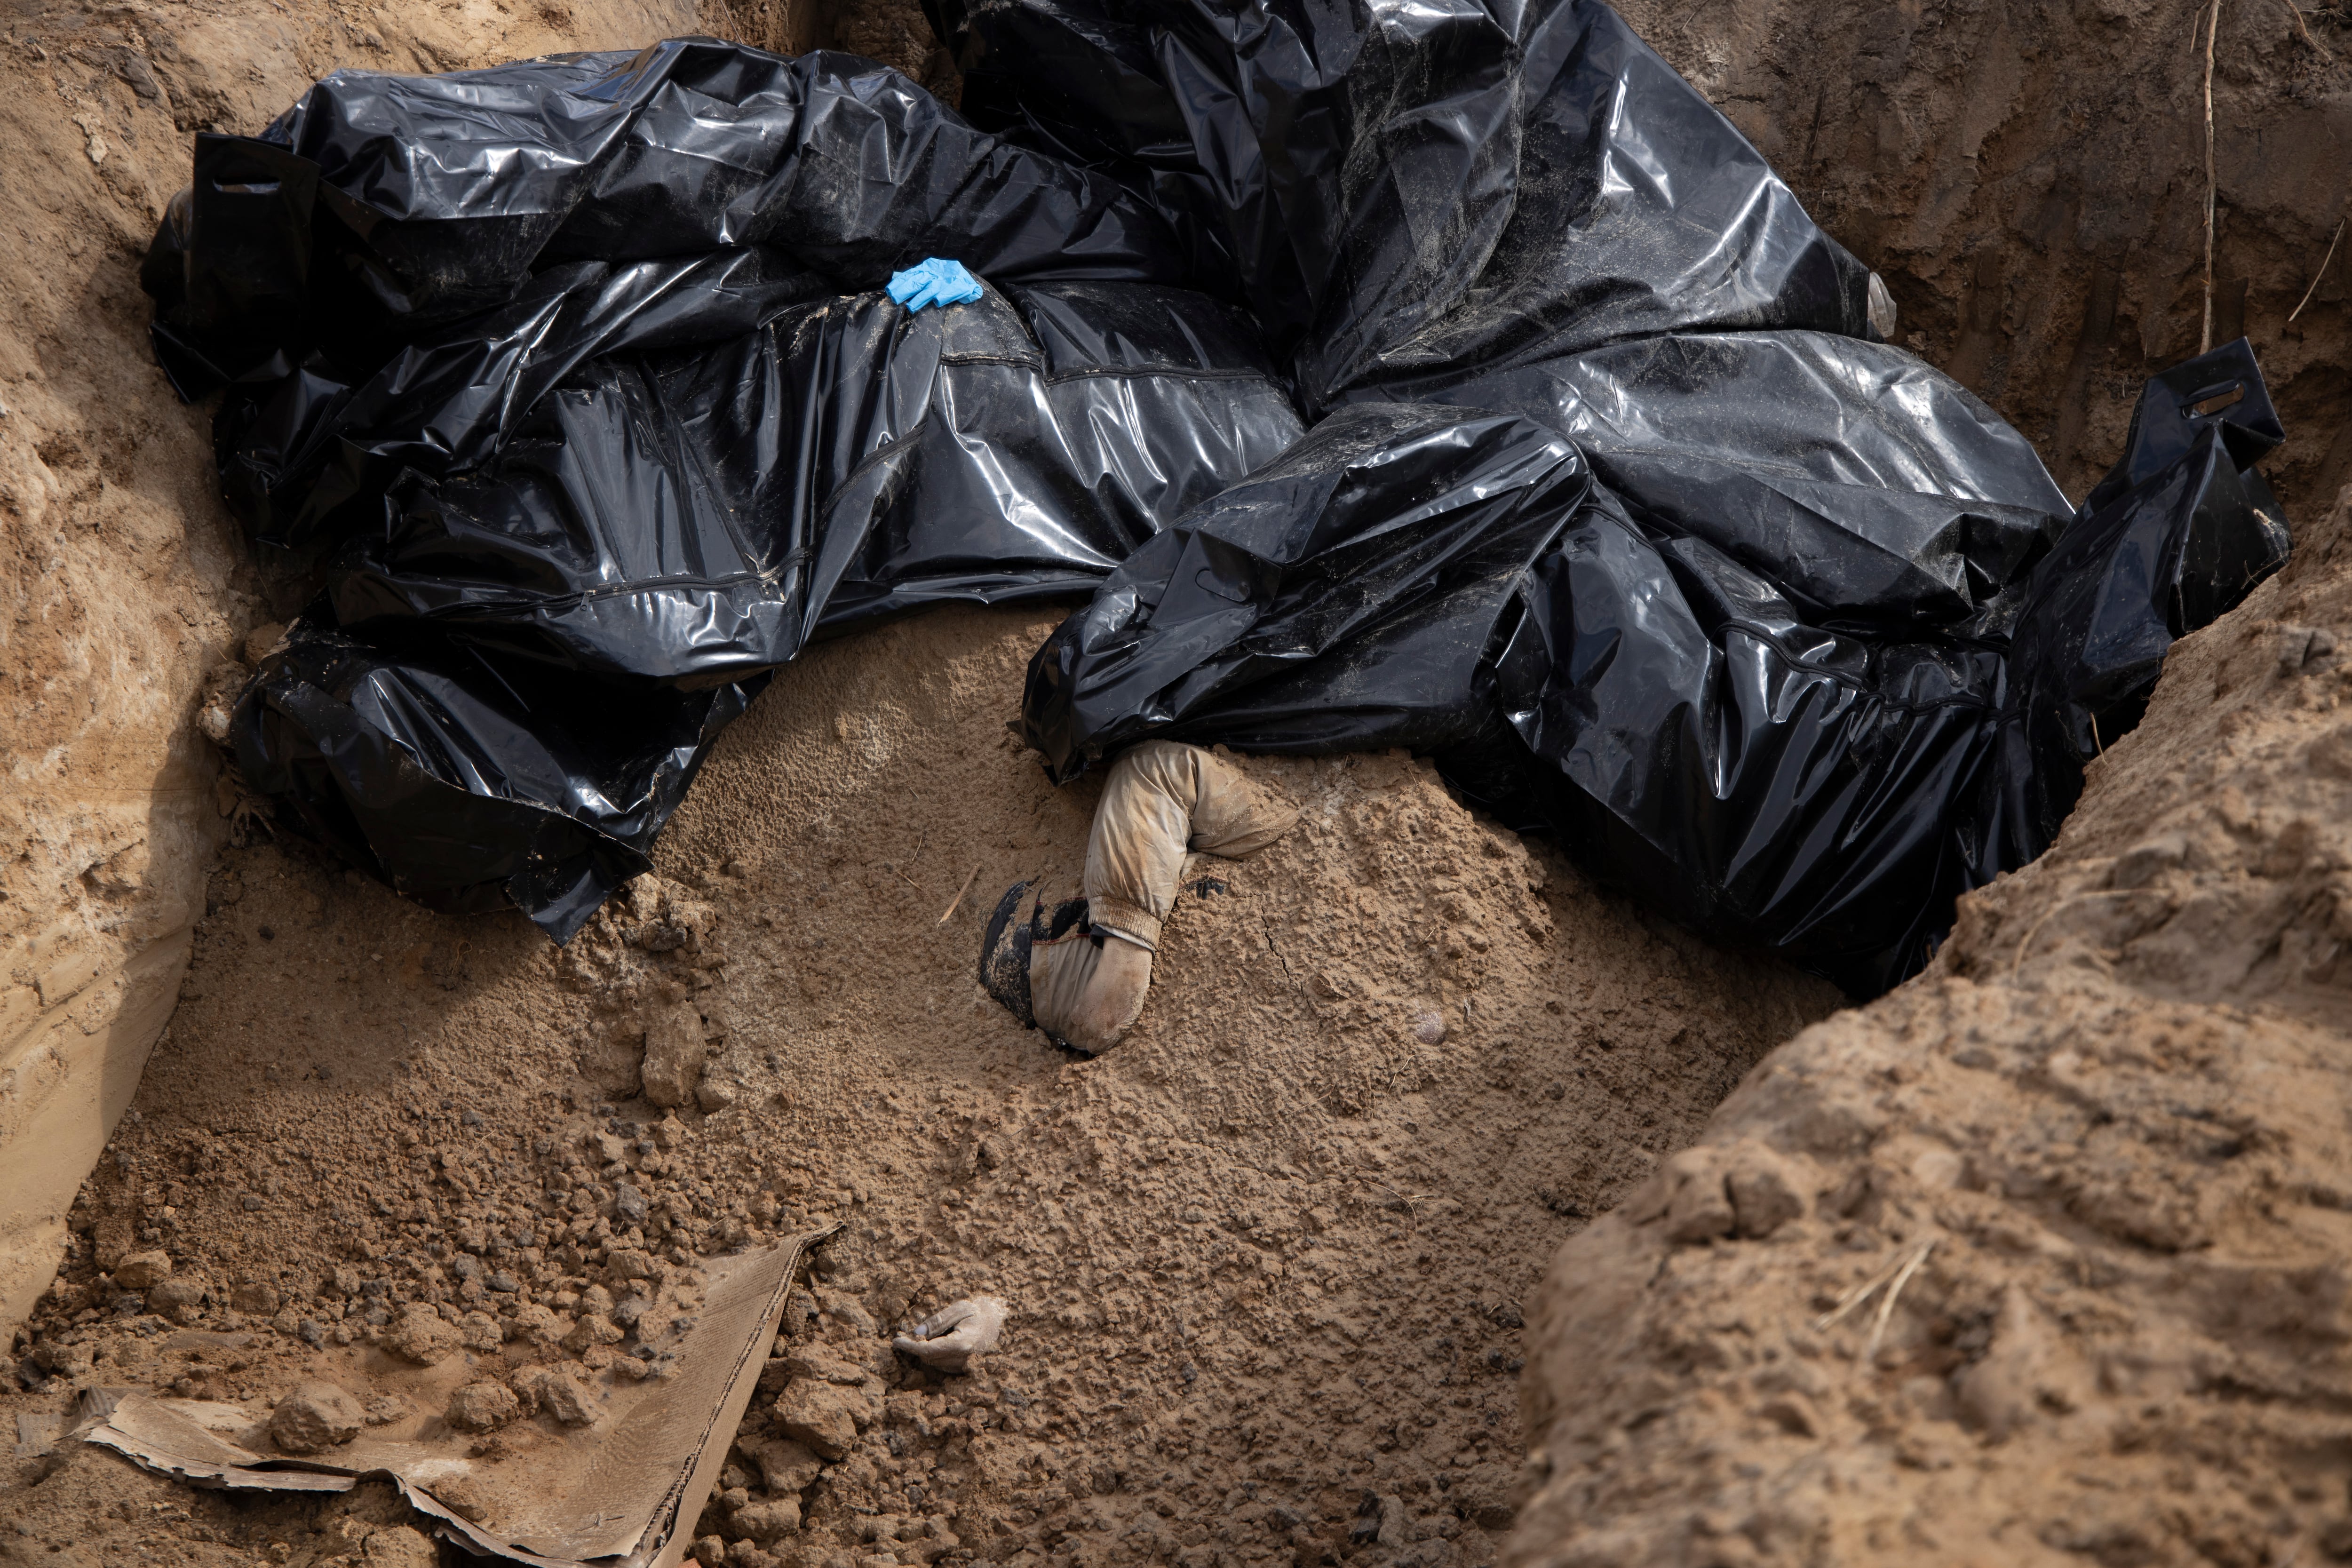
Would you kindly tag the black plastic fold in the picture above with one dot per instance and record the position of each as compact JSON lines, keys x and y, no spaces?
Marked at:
{"x":1344,"y":598}
{"x":1694,"y":734}
{"x":683,"y":471}
{"x":1410,"y":195}
{"x":380,"y":207}
{"x":466,"y":783}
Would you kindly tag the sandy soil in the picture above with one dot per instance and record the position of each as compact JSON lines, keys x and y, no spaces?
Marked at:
{"x":2102,"y":1143}
{"x":1269,"y":1256}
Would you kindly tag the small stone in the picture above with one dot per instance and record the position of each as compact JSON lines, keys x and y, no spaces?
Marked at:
{"x":710,"y":1552}
{"x":142,"y":1269}
{"x":482,"y":1407}
{"x":553,"y":1392}
{"x":629,"y":1204}
{"x":171,"y":1295}
{"x":316,"y":1416}
{"x":537,"y":1325}
{"x":674,"y":1052}
{"x":311,"y":1332}
{"x":764,"y":1522}
{"x":255,"y":1296}
{"x":630,"y":1263}
{"x":714,"y":1095}
{"x":592,"y":1330}
{"x":504,"y":1283}
{"x":385,"y":1409}
{"x":1428,"y":1028}
{"x":250,"y":1202}
{"x":1763,"y":1190}
{"x":421,"y":1336}
{"x":462,"y":1495}
{"x":481,"y":1334}
{"x":470,"y":1117}
{"x":821,"y":1415}
{"x":786,"y":1468}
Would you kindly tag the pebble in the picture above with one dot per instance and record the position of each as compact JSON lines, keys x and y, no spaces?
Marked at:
{"x":421,"y":1337}
{"x":316,"y":1416}
{"x":629,"y":1204}
{"x":482,"y":1407}
{"x":142,"y":1269}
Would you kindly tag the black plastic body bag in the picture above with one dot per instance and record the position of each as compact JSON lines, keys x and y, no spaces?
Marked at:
{"x":567,"y":380}
{"x":1615,"y":504}
{"x":1809,"y":645}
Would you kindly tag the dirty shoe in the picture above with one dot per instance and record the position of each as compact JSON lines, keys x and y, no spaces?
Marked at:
{"x":1004,"y":954}
{"x":1086,"y":987}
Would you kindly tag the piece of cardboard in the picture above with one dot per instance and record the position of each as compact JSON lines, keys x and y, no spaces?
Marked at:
{"x":623,"y":1491}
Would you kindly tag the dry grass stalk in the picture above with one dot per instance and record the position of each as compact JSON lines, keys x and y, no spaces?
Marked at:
{"x":956,"y":903}
{"x":1886,"y":1303}
{"x":2315,"y":277}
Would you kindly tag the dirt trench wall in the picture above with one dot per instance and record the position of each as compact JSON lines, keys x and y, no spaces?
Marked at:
{"x":122,"y":581}
{"x":2100,"y":1147}
{"x":2029,"y":179}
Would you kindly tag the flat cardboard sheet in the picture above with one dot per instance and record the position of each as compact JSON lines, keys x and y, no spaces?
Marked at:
{"x":623,"y":1491}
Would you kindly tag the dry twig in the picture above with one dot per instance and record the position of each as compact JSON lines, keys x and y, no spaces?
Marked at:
{"x":1856,"y":1297}
{"x":2319,"y":49}
{"x":2315,"y":277}
{"x":956,"y":903}
{"x":1886,"y":1303}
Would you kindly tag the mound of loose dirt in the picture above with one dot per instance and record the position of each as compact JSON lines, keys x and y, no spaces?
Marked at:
{"x":1264,"y":1258}
{"x":2101,"y":1148}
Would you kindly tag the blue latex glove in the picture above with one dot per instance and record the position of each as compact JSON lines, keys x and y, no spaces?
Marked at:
{"x":934,"y":282}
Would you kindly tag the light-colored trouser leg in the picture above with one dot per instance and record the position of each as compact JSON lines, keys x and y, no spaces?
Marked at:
{"x":1162,"y":800}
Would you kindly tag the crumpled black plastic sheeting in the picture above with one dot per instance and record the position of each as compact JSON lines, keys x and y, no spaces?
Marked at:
{"x":1345,"y":597}
{"x":1699,"y":738}
{"x":1620,"y":509}
{"x":1410,"y":195}
{"x":572,"y":380}
{"x":381,"y":206}
{"x":1817,"y":646}
{"x":469,"y":785}
{"x":683,"y":470}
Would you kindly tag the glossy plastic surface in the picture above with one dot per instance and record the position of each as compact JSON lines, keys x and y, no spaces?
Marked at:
{"x":577,"y":376}
{"x":1409,"y":194}
{"x":466,"y":783}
